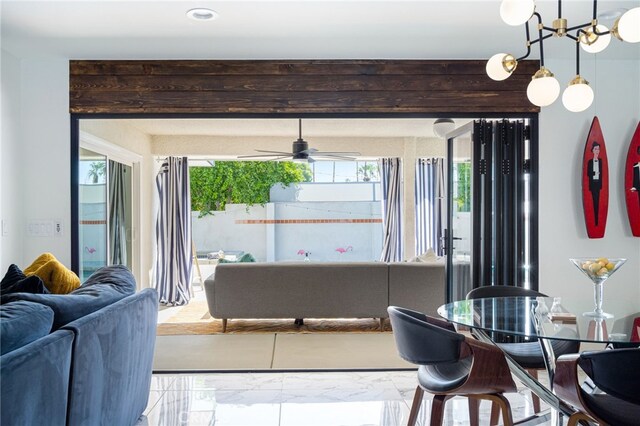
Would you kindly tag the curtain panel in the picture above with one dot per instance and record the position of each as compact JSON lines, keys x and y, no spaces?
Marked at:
{"x":429,"y":196}
{"x":117,"y":214}
{"x":172,"y":271}
{"x":391,"y":180}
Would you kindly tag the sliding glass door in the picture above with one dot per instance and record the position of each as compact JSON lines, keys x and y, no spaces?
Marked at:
{"x":105,"y":212}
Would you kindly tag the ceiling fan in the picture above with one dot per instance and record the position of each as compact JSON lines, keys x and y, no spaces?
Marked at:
{"x":300,"y":151}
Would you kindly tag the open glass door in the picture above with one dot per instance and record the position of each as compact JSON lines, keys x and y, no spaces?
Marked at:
{"x":458,"y":233}
{"x":491,"y":235}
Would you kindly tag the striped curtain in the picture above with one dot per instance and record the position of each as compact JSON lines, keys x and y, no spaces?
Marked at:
{"x":429,"y":192}
{"x":172,"y":270}
{"x":391,"y":180}
{"x":117,"y":219}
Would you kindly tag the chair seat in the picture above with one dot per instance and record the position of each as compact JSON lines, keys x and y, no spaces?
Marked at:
{"x":529,"y":354}
{"x":444,"y":377}
{"x":616,"y":411}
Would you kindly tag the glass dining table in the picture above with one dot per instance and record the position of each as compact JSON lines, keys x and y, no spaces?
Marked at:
{"x":523,"y":319}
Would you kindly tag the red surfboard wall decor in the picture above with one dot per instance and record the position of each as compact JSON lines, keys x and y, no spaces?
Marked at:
{"x":632,"y":183}
{"x":595,"y":182}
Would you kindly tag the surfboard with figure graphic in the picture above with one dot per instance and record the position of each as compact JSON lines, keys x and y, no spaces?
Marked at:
{"x":595,"y":182}
{"x":632,"y":183}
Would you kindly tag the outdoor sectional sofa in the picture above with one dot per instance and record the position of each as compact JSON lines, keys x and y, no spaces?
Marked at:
{"x":83,"y":358}
{"x":322,"y":290}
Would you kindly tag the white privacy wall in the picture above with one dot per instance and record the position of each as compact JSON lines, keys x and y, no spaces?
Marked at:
{"x":562,"y":229}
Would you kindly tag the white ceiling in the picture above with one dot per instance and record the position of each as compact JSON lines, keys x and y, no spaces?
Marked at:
{"x":303,"y":29}
{"x":288,"y":128}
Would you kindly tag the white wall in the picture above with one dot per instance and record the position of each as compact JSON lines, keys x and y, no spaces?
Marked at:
{"x":562,"y":229}
{"x":45,"y":155}
{"x":11,"y":172}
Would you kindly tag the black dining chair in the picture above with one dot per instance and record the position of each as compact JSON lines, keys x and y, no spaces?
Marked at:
{"x":527,"y":354}
{"x":450,"y":364}
{"x":615,"y":372}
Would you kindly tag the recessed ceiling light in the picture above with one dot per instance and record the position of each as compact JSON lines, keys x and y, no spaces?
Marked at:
{"x":202,"y":14}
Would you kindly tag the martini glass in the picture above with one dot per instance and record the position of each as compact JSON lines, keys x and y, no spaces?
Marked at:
{"x":598,"y":270}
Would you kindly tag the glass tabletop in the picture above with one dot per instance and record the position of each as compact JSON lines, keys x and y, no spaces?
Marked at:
{"x":530,"y":318}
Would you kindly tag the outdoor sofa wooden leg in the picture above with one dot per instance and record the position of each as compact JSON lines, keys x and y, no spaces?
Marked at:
{"x":381,"y":324}
{"x":415,"y":406}
{"x":224,"y":325}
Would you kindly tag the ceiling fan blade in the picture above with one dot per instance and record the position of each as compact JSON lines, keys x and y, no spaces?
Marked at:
{"x":310,"y":160}
{"x":279,"y":158}
{"x":275,"y":154}
{"x":337,"y":153}
{"x":333,"y":156}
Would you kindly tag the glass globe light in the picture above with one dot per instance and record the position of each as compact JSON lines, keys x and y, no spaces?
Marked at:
{"x":516,"y":12}
{"x":500,"y":66}
{"x":578,"y":96}
{"x":629,"y":26}
{"x":594,"y":43}
{"x":543,"y":89}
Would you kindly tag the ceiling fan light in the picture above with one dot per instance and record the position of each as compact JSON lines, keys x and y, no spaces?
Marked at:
{"x":543,"y":89}
{"x":442,"y":126}
{"x":500,"y":66}
{"x":516,"y":12}
{"x":628,"y":26}
{"x":594,"y":43}
{"x":578,"y":96}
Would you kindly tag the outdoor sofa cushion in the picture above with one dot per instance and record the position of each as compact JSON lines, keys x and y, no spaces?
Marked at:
{"x":104,"y":287}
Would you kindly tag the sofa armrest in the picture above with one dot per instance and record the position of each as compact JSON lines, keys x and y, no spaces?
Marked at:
{"x":112,"y":361}
{"x":35,"y":381}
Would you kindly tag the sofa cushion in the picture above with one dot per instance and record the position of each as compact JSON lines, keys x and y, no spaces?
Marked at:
{"x":22,"y":323}
{"x":104,"y":287}
{"x":56,"y":276}
{"x":15,"y":281}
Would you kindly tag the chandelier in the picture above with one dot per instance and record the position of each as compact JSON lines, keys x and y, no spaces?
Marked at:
{"x":592,"y":37}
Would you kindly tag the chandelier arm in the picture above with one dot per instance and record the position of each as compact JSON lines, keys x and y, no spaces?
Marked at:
{"x":577,"y":39}
{"x":574,"y":38}
{"x":540,"y":37}
{"x":577,"y":27}
{"x":526,"y":55}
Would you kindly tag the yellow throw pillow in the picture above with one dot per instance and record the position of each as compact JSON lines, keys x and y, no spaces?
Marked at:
{"x":54,"y":275}
{"x":39,"y":262}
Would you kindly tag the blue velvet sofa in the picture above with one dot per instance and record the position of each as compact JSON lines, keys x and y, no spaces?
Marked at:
{"x":93,"y":364}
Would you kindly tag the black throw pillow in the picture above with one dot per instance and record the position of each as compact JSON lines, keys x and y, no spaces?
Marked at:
{"x":15,"y":281}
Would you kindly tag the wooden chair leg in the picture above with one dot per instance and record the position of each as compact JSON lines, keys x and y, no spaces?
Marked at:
{"x":415,"y":406}
{"x":535,"y":400}
{"x":224,"y":325}
{"x":500,"y":404}
{"x":437,"y":409}
{"x":579,"y":418}
{"x":495,"y":414}
{"x":474,"y":411}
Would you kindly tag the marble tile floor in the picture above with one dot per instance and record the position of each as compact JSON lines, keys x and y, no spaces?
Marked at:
{"x":300,"y":399}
